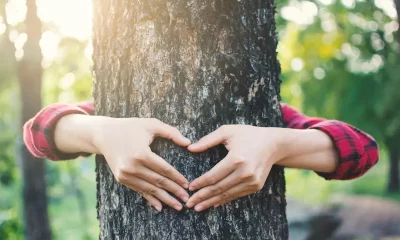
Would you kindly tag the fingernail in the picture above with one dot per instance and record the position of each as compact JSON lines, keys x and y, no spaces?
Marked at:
{"x":189,"y":204}
{"x":191,"y":188}
{"x":185,"y":185}
{"x":187,"y":140}
{"x":198,"y":208}
{"x":216,"y":205}
{"x":184,"y":198}
{"x":178,"y":207}
{"x":158,"y":208}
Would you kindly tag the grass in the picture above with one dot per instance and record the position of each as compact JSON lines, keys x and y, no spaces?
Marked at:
{"x":308,"y":187}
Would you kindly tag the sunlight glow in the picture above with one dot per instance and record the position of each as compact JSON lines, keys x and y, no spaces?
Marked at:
{"x":49,"y":45}
{"x":2,"y":28}
{"x":16,"y":11}
{"x":300,"y":12}
{"x":20,"y":41}
{"x":67,"y":81}
{"x":388,"y":7}
{"x":71,"y":18}
{"x":297,"y":64}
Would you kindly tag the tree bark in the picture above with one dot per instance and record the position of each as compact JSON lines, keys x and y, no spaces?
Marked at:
{"x":33,"y":170}
{"x":394,"y":174}
{"x":197,"y":65}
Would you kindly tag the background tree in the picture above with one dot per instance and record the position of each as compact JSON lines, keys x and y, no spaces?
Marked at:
{"x":196,"y":65}
{"x":29,"y":71}
{"x":345,"y":59}
{"x":313,"y":36}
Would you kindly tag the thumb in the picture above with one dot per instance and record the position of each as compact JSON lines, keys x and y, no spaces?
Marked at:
{"x":167,"y":131}
{"x":215,"y":138}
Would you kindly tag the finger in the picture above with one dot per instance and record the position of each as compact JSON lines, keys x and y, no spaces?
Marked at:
{"x":160,"y":194}
{"x":162,"y":182}
{"x":228,"y":196}
{"x":205,"y":193}
{"x":167,"y":131}
{"x":267,"y":169}
{"x":217,"y":137}
{"x":159,"y":165}
{"x":150,"y":199}
{"x":153,"y":201}
{"x":218,"y":172}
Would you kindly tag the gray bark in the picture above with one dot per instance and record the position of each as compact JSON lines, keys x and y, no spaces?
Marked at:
{"x":195,"y":64}
{"x":29,"y":69}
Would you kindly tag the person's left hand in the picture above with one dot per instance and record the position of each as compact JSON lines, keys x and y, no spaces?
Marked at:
{"x":252,"y":152}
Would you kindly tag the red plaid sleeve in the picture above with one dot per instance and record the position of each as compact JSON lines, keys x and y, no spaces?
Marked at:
{"x":357,"y":150}
{"x":38,"y":132}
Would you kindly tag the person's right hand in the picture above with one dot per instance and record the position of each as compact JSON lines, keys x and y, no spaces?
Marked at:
{"x":124,"y":142}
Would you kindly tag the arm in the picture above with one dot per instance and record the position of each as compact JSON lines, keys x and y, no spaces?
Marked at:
{"x":336,"y":150}
{"x":333,"y":149}
{"x":65,"y":131}
{"x":40,"y":131}
{"x":314,"y":150}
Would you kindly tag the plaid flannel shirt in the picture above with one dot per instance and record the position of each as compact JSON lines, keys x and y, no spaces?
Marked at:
{"x":357,"y":150}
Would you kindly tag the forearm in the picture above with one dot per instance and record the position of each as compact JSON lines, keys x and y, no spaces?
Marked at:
{"x":309,"y":149}
{"x":74,"y":133}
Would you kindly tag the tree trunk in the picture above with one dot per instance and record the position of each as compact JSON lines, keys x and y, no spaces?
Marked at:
{"x":194,"y":64}
{"x":394,"y":175}
{"x":33,"y":170}
{"x":397,"y":5}
{"x":394,"y":152}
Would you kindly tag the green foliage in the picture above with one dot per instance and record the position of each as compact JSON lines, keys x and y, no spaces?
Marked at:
{"x":343,"y":64}
{"x":350,"y":67}
{"x":10,"y":229}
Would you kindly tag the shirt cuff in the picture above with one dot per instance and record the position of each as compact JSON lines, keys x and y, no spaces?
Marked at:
{"x":349,"y":150}
{"x":50,"y":117}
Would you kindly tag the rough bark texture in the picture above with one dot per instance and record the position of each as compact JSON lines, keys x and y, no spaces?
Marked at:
{"x":194,"y":64}
{"x":33,"y":170}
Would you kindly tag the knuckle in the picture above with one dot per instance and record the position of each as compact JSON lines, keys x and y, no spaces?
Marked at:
{"x":167,"y":171}
{"x":256,"y":185}
{"x":120,"y":175}
{"x":215,"y":189}
{"x":209,"y":179}
{"x":140,"y":192}
{"x":247,"y":174}
{"x":153,"y":191}
{"x":239,"y":161}
{"x":225,"y":196}
{"x":139,"y":155}
{"x":160,"y":181}
{"x":200,"y":198}
{"x":127,"y":170}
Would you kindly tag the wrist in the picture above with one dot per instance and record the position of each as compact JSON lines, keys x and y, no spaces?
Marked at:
{"x":285,"y":140}
{"x":296,"y":142}
{"x":74,"y":133}
{"x":97,"y":132}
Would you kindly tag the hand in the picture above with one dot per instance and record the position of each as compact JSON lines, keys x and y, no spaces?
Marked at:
{"x":124,"y":142}
{"x":252,"y":152}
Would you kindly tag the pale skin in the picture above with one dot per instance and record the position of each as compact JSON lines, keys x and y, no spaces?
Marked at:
{"x":252,"y":152}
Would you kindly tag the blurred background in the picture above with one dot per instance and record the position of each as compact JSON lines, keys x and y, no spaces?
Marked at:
{"x":339,"y":60}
